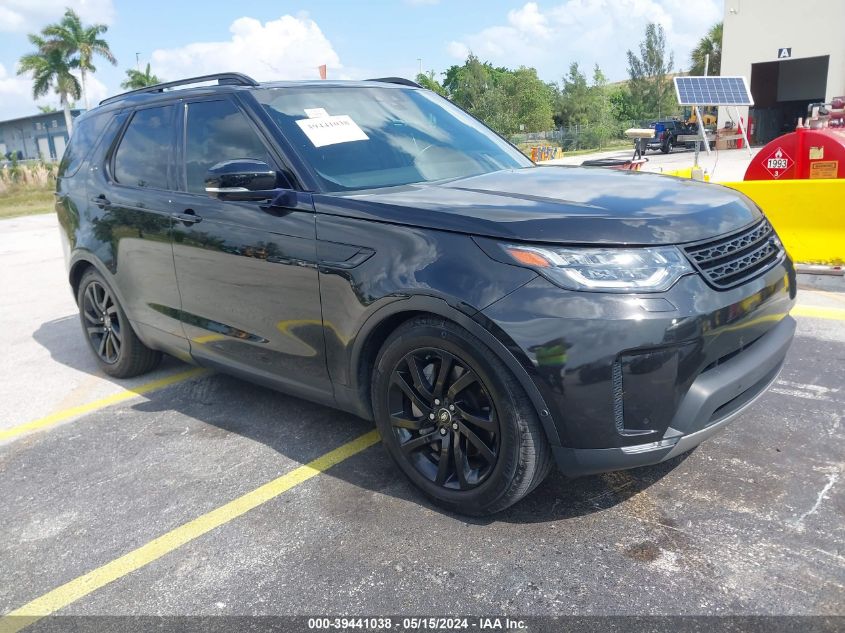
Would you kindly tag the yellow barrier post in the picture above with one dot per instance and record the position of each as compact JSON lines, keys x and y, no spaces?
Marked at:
{"x":809,"y":215}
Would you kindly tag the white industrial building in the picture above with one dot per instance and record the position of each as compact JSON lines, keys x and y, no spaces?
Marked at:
{"x":792,"y":54}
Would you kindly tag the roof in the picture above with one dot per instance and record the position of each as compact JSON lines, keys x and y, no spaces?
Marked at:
{"x":227,"y":82}
{"x":43,"y":115}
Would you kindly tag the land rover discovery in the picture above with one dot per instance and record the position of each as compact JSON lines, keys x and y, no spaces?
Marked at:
{"x":372,"y":247}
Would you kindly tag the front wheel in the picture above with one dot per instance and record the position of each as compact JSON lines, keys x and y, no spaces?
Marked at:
{"x":455,"y":419}
{"x":116,"y":347}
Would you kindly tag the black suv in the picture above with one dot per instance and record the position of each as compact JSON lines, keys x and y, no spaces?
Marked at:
{"x":370,"y":246}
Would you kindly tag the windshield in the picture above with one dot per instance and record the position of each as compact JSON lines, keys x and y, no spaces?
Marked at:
{"x":368,"y":137}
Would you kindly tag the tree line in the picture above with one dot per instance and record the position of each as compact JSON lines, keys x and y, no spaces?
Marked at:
{"x":517,"y":100}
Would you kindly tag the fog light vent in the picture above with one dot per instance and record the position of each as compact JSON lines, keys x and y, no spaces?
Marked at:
{"x":618,"y":397}
{"x":644,"y":390}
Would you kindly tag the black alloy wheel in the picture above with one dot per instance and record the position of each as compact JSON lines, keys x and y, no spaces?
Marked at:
{"x":455,"y":418}
{"x":444,"y":418}
{"x":102,"y":322}
{"x":117,"y":349}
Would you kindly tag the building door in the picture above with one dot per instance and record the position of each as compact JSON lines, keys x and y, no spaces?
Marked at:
{"x":44,"y":148}
{"x":59,"y":143}
{"x":782,"y":90}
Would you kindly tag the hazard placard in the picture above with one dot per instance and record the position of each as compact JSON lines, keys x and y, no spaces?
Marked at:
{"x":778,"y":163}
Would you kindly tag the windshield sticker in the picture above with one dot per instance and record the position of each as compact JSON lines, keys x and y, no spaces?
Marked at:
{"x":316,"y":113}
{"x":329,"y":130}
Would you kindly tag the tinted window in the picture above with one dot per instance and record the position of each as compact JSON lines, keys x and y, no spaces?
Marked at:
{"x":85,"y":133}
{"x":216,"y":132}
{"x":356,"y":138}
{"x":143,"y":155}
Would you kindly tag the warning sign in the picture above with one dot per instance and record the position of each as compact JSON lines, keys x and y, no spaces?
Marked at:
{"x":824,"y":169}
{"x":778,"y":163}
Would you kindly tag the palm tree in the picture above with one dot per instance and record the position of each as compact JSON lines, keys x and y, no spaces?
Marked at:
{"x":136,"y":79}
{"x":50,"y":68}
{"x":81,"y":40}
{"x":710,"y":44}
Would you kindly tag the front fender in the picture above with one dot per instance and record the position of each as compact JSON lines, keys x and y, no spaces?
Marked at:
{"x":399,"y":310}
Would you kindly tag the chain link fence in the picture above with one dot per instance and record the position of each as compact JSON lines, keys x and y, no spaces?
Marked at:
{"x":581,"y":137}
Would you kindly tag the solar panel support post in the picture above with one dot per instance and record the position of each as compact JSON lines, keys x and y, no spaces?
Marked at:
{"x":701,"y":130}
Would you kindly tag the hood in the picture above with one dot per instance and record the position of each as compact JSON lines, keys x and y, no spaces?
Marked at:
{"x":572,"y":205}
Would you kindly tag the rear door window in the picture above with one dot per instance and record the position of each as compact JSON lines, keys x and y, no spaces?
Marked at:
{"x":144,"y":155}
{"x":217,"y":131}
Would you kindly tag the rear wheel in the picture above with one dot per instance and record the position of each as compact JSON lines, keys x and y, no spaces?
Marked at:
{"x":455,"y":419}
{"x":118,"y":351}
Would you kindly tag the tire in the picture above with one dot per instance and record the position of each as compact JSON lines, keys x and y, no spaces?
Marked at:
{"x":475,"y":400}
{"x":116,"y":348}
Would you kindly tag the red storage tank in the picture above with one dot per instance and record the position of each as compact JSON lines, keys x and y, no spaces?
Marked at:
{"x":804,"y":153}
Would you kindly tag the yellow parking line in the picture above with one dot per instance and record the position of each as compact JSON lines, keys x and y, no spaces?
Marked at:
{"x":126,"y":394}
{"x":817,"y":312}
{"x":80,"y":587}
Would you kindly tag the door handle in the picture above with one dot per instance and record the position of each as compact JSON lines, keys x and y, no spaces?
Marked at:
{"x":101,"y":201}
{"x":188,"y":217}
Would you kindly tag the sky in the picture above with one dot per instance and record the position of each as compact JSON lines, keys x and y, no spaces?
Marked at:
{"x":356,"y":40}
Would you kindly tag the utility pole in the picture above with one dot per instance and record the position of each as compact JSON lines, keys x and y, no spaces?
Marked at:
{"x":138,"y":62}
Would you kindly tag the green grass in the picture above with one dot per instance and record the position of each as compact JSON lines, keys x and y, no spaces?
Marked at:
{"x":21,"y":201}
{"x":611,"y":146}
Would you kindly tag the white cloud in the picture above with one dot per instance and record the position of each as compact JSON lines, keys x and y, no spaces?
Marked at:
{"x":16,"y":95}
{"x":458,"y":50}
{"x":287,"y":48}
{"x":530,"y":21}
{"x":30,"y":15}
{"x":96,"y":89}
{"x":587,"y":31}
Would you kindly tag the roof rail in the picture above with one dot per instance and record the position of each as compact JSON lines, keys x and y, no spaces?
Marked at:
{"x":237,"y":79}
{"x":397,"y":80}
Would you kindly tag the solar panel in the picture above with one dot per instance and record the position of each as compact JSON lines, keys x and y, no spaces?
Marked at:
{"x":712,"y":91}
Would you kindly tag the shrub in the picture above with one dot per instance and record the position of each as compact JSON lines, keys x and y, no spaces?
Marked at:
{"x":33,"y":176}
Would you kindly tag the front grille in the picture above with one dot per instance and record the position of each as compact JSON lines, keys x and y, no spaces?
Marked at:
{"x":729,"y":261}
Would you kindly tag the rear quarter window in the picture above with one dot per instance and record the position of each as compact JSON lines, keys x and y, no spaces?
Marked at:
{"x":85,"y":134}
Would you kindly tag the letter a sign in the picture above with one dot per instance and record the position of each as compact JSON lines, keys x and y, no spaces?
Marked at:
{"x":784,"y":53}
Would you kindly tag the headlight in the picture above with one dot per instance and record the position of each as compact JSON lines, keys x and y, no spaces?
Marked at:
{"x":609,"y":269}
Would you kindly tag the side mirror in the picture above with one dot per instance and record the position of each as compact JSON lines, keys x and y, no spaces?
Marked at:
{"x":241,"y":179}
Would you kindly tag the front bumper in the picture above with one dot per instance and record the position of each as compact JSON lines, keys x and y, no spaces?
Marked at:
{"x":712,"y":402}
{"x":634,"y":380}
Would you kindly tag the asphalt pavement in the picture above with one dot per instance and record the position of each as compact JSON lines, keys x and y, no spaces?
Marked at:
{"x":197,"y":494}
